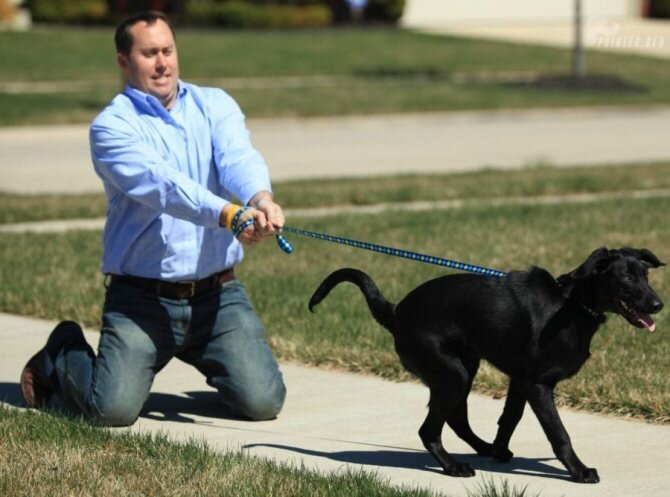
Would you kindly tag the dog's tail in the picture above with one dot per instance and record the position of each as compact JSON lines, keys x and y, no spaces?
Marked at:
{"x":382,"y":310}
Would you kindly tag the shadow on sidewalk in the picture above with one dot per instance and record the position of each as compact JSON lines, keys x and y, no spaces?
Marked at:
{"x":10,"y":393}
{"x":424,"y":461}
{"x":180,"y":408}
{"x":159,"y":406}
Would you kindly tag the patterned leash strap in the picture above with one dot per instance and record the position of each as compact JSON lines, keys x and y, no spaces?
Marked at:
{"x":237,"y":227}
{"x":428,"y":259}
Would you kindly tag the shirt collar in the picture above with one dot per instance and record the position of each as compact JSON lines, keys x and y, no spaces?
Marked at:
{"x":150,"y":104}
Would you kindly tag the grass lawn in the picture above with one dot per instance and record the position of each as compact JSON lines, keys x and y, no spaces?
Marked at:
{"x":315,"y":72}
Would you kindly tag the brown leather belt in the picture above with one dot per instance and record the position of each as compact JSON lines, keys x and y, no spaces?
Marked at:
{"x":176,"y":289}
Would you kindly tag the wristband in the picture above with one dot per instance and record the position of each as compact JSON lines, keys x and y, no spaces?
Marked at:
{"x":232,"y":210}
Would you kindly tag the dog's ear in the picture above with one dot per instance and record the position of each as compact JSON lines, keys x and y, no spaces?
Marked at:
{"x":647,"y":257}
{"x":597,"y":261}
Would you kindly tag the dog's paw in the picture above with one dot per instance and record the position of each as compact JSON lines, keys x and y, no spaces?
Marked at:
{"x":460,"y":470}
{"x":587,"y":475}
{"x":502,"y":454}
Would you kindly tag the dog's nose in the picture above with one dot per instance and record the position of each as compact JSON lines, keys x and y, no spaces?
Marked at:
{"x":656,"y":305}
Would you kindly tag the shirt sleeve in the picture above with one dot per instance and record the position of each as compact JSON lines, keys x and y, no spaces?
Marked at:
{"x":243,"y":171}
{"x":131,"y":166}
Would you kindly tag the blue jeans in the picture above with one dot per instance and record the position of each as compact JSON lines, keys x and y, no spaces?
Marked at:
{"x":218,"y":332}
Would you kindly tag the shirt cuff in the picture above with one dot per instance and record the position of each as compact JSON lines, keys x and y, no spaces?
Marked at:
{"x":251,"y":188}
{"x":212,"y":210}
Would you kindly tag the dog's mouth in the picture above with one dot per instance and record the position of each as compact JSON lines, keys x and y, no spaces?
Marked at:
{"x":637,"y":319}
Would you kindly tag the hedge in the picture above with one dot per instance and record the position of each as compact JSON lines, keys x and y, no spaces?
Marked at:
{"x":245,"y":14}
{"x":225,"y":13}
{"x":659,"y":8}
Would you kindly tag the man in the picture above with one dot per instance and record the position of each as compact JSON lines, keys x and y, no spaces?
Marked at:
{"x":171,"y":156}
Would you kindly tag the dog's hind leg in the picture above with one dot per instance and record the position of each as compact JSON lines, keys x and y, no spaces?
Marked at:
{"x":431,"y":436}
{"x":509,"y":419}
{"x":447,"y":390}
{"x":459,"y":422}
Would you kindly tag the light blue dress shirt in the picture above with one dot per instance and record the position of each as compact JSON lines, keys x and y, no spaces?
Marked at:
{"x":167,"y":175}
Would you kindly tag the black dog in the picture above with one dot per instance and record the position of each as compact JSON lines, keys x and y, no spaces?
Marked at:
{"x":533,"y":327}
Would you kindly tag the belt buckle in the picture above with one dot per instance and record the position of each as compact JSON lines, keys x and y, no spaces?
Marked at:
{"x":190,"y":292}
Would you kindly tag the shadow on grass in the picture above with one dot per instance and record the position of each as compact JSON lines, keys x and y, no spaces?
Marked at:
{"x":423,"y":461}
{"x":570,"y":83}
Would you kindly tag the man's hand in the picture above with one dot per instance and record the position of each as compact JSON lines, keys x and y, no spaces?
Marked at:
{"x":267,"y":215}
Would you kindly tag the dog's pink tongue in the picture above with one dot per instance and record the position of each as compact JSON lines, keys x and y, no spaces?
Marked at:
{"x":647,"y":322}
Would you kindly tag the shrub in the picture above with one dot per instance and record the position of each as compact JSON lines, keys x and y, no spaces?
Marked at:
{"x":659,"y":8}
{"x":385,"y":10}
{"x":245,"y":14}
{"x":377,"y":11}
{"x":69,"y":11}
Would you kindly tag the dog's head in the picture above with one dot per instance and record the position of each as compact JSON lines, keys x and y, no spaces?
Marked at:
{"x":617,"y":282}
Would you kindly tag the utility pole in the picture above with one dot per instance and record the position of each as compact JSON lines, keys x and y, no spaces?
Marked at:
{"x":578,"y":57}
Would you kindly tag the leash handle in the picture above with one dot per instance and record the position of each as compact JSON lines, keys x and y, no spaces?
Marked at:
{"x":233,"y":223}
{"x":406,"y":254}
{"x":284,"y":244}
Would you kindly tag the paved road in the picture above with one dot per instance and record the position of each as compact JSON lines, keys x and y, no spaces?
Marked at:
{"x":43,"y":159}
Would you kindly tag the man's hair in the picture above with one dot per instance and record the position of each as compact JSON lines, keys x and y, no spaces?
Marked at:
{"x":123,"y":37}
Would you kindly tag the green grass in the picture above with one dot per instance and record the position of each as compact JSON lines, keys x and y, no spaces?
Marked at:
{"x":56,"y":276}
{"x":55,"y":456}
{"x":490,"y":488}
{"x":472,"y":186}
{"x":19,"y":208}
{"x":367,"y":71}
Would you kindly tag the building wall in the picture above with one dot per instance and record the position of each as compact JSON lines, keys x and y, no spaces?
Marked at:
{"x":432,"y":12}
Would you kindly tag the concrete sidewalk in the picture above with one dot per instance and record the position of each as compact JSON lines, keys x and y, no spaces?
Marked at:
{"x":335,"y":420}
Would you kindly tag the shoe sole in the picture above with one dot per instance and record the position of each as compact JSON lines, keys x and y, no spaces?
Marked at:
{"x":29,"y":393}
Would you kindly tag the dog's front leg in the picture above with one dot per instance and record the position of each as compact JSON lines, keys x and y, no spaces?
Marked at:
{"x":511,"y":415}
{"x":541,"y":400}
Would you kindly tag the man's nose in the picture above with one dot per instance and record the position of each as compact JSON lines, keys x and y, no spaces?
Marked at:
{"x":161,"y":60}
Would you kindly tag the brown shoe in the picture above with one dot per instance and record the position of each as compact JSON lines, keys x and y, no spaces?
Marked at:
{"x":35,"y":388}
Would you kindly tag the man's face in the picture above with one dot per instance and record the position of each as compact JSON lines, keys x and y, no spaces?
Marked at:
{"x":152,"y":65}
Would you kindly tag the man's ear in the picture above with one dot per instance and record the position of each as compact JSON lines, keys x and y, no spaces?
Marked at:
{"x":595,"y":262}
{"x":122,"y":61}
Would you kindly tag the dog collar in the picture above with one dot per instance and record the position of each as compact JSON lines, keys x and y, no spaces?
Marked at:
{"x":590,"y":312}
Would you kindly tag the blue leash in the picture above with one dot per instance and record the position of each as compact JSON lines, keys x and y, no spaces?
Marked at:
{"x":428,"y":259}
